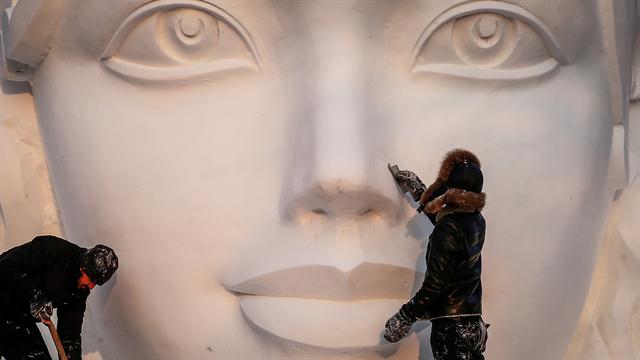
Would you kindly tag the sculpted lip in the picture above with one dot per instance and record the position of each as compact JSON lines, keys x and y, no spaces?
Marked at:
{"x":322,"y":306}
{"x":366,"y":281}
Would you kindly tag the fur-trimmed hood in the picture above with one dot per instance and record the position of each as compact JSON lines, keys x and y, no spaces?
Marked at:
{"x":449,"y":162}
{"x":453,"y":199}
{"x":456,"y":200}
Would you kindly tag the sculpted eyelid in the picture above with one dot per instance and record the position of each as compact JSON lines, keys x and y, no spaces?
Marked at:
{"x":149,"y":9}
{"x":500,"y":8}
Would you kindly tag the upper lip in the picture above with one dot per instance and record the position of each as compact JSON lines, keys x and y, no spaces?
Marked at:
{"x":365,"y":281}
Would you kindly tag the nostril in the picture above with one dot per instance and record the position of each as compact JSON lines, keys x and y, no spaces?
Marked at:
{"x":339,"y":202}
{"x":370,"y":214}
{"x":367,"y":212}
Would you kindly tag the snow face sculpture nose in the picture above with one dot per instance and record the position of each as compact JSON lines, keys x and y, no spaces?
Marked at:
{"x":341,"y":178}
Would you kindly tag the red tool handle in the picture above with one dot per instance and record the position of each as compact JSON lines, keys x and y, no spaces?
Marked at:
{"x":56,"y":340}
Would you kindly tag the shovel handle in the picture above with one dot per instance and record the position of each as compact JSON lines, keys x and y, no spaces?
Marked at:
{"x":56,"y":340}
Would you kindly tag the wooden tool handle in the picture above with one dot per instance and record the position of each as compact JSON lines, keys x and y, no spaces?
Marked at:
{"x":56,"y":340}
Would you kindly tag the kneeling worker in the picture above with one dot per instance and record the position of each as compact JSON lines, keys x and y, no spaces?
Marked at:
{"x":46,"y":273}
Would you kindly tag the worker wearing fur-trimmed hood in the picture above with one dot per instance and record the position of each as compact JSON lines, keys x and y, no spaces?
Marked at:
{"x":451,"y":294}
{"x":458,"y":186}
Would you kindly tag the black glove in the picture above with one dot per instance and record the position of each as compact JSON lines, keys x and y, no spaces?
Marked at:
{"x":398,"y":326}
{"x":41,"y":308}
{"x":409,"y":182}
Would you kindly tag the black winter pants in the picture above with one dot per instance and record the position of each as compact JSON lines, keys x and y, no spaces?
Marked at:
{"x":462,"y":338}
{"x":21,"y":340}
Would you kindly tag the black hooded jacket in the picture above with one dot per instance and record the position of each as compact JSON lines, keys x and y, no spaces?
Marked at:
{"x":452,"y":285}
{"x":47,"y":266}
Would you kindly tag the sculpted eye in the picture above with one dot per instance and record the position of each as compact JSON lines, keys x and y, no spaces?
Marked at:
{"x":165,"y":40}
{"x":487,"y":40}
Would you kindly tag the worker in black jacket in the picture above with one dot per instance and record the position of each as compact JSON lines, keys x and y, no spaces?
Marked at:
{"x":41,"y":275}
{"x":451,"y":294}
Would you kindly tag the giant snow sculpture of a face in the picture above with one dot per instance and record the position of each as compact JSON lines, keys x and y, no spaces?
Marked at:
{"x":234,"y":153}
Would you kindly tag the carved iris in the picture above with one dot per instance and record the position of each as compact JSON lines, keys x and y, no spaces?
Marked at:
{"x":188,"y":35}
{"x":484,"y":39}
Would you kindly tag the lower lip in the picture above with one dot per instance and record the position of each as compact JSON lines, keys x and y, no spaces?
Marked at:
{"x":326,"y":324}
